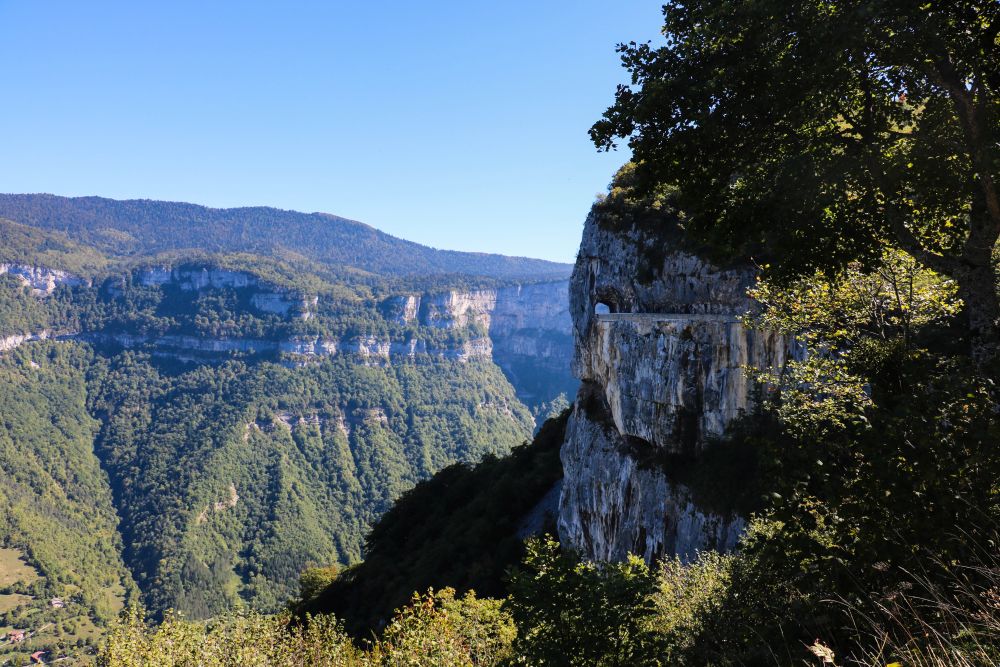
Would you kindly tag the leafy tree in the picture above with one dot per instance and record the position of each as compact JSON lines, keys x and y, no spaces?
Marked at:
{"x":845,"y":324}
{"x":313,"y":580}
{"x":238,"y":639}
{"x":435,"y":629}
{"x":572,"y":612}
{"x":439,"y":629}
{"x":815,"y":132}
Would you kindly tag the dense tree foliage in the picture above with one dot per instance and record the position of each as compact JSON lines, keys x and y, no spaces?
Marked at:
{"x":230,"y":479}
{"x":56,"y":500}
{"x":884,"y":416}
{"x":55,"y":504}
{"x":215,"y":476}
{"x":815,"y":132}
{"x":463,"y":528}
{"x":437,"y":628}
{"x":24,"y":244}
{"x":578,"y":613}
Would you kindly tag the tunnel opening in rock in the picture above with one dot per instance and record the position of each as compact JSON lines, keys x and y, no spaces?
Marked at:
{"x":608,"y":299}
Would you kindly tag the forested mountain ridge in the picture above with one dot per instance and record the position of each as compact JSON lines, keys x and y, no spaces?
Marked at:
{"x":146,"y":227}
{"x":784,"y":447}
{"x":287,"y":309}
{"x":228,"y":418}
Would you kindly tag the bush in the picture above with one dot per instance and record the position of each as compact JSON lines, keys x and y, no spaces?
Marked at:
{"x":436,"y":629}
{"x":570,"y":612}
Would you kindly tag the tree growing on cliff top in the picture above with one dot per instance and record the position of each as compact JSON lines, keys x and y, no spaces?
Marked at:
{"x":815,"y":132}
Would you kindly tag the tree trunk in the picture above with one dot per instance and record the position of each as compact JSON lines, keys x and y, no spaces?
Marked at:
{"x":978,"y":290}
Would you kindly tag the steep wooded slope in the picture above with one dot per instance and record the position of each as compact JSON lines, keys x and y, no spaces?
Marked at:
{"x":249,"y":415}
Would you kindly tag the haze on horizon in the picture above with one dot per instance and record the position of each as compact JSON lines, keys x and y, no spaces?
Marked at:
{"x":457,"y":125}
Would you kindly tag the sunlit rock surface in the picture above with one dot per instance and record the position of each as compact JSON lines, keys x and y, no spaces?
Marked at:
{"x":42,"y":280}
{"x":525,"y":329}
{"x":264,"y":299}
{"x":612,"y":505}
{"x":662,"y":356}
{"x":677,"y":381}
{"x":528,"y":326}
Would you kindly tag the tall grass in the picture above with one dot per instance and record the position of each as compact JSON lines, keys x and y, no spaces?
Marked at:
{"x":951,"y":619}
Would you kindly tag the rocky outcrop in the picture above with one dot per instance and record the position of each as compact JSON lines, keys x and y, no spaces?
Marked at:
{"x":219,"y":506}
{"x":297,"y":351}
{"x":8,"y":343}
{"x":455,"y":309}
{"x":529,"y":328}
{"x":42,"y":280}
{"x":195,"y":278}
{"x":677,"y":380}
{"x":613,"y":505}
{"x":286,"y":305}
{"x":502,"y":311}
{"x":526,"y":325}
{"x":662,"y":359}
{"x":265,"y":298}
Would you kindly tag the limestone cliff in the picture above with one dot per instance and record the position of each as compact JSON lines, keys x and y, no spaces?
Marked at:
{"x":295,"y":351}
{"x":661,"y":357}
{"x":528,"y":326}
{"x":265,"y":298}
{"x":42,"y":280}
{"x":524,"y":328}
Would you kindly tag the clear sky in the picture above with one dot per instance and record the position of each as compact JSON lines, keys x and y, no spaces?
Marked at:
{"x":459,"y":124}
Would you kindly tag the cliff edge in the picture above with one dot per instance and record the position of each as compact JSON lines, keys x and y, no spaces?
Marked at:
{"x":661,"y":354}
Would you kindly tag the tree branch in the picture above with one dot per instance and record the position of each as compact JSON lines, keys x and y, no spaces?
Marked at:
{"x":972,"y":119}
{"x":909,"y":242}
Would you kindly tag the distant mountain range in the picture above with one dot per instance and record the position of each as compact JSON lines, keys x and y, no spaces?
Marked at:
{"x":142,"y":226}
{"x":199,"y":403}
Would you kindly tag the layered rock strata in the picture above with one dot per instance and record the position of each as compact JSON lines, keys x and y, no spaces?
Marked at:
{"x":8,"y":343}
{"x":370,"y":350}
{"x":503,"y":311}
{"x":265,"y":298}
{"x":663,"y":364}
{"x":525,"y":329}
{"x":529,"y":327}
{"x":42,"y":281}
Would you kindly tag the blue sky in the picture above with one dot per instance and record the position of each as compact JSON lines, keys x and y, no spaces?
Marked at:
{"x":459,"y":124}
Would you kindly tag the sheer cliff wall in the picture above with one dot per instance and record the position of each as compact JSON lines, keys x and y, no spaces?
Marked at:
{"x":661,"y":355}
{"x":529,"y":327}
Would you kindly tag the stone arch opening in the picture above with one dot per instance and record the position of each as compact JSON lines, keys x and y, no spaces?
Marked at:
{"x":607,"y":300}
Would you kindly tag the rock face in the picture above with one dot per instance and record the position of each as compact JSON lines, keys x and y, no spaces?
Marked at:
{"x":42,"y":281}
{"x":8,"y":343}
{"x":286,"y":305}
{"x":297,"y":351}
{"x":503,"y":311}
{"x":612,"y":505}
{"x":529,"y":328}
{"x":525,"y":329}
{"x":192,"y":278}
{"x":265,"y":299}
{"x":661,"y":360}
{"x":677,"y":380}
